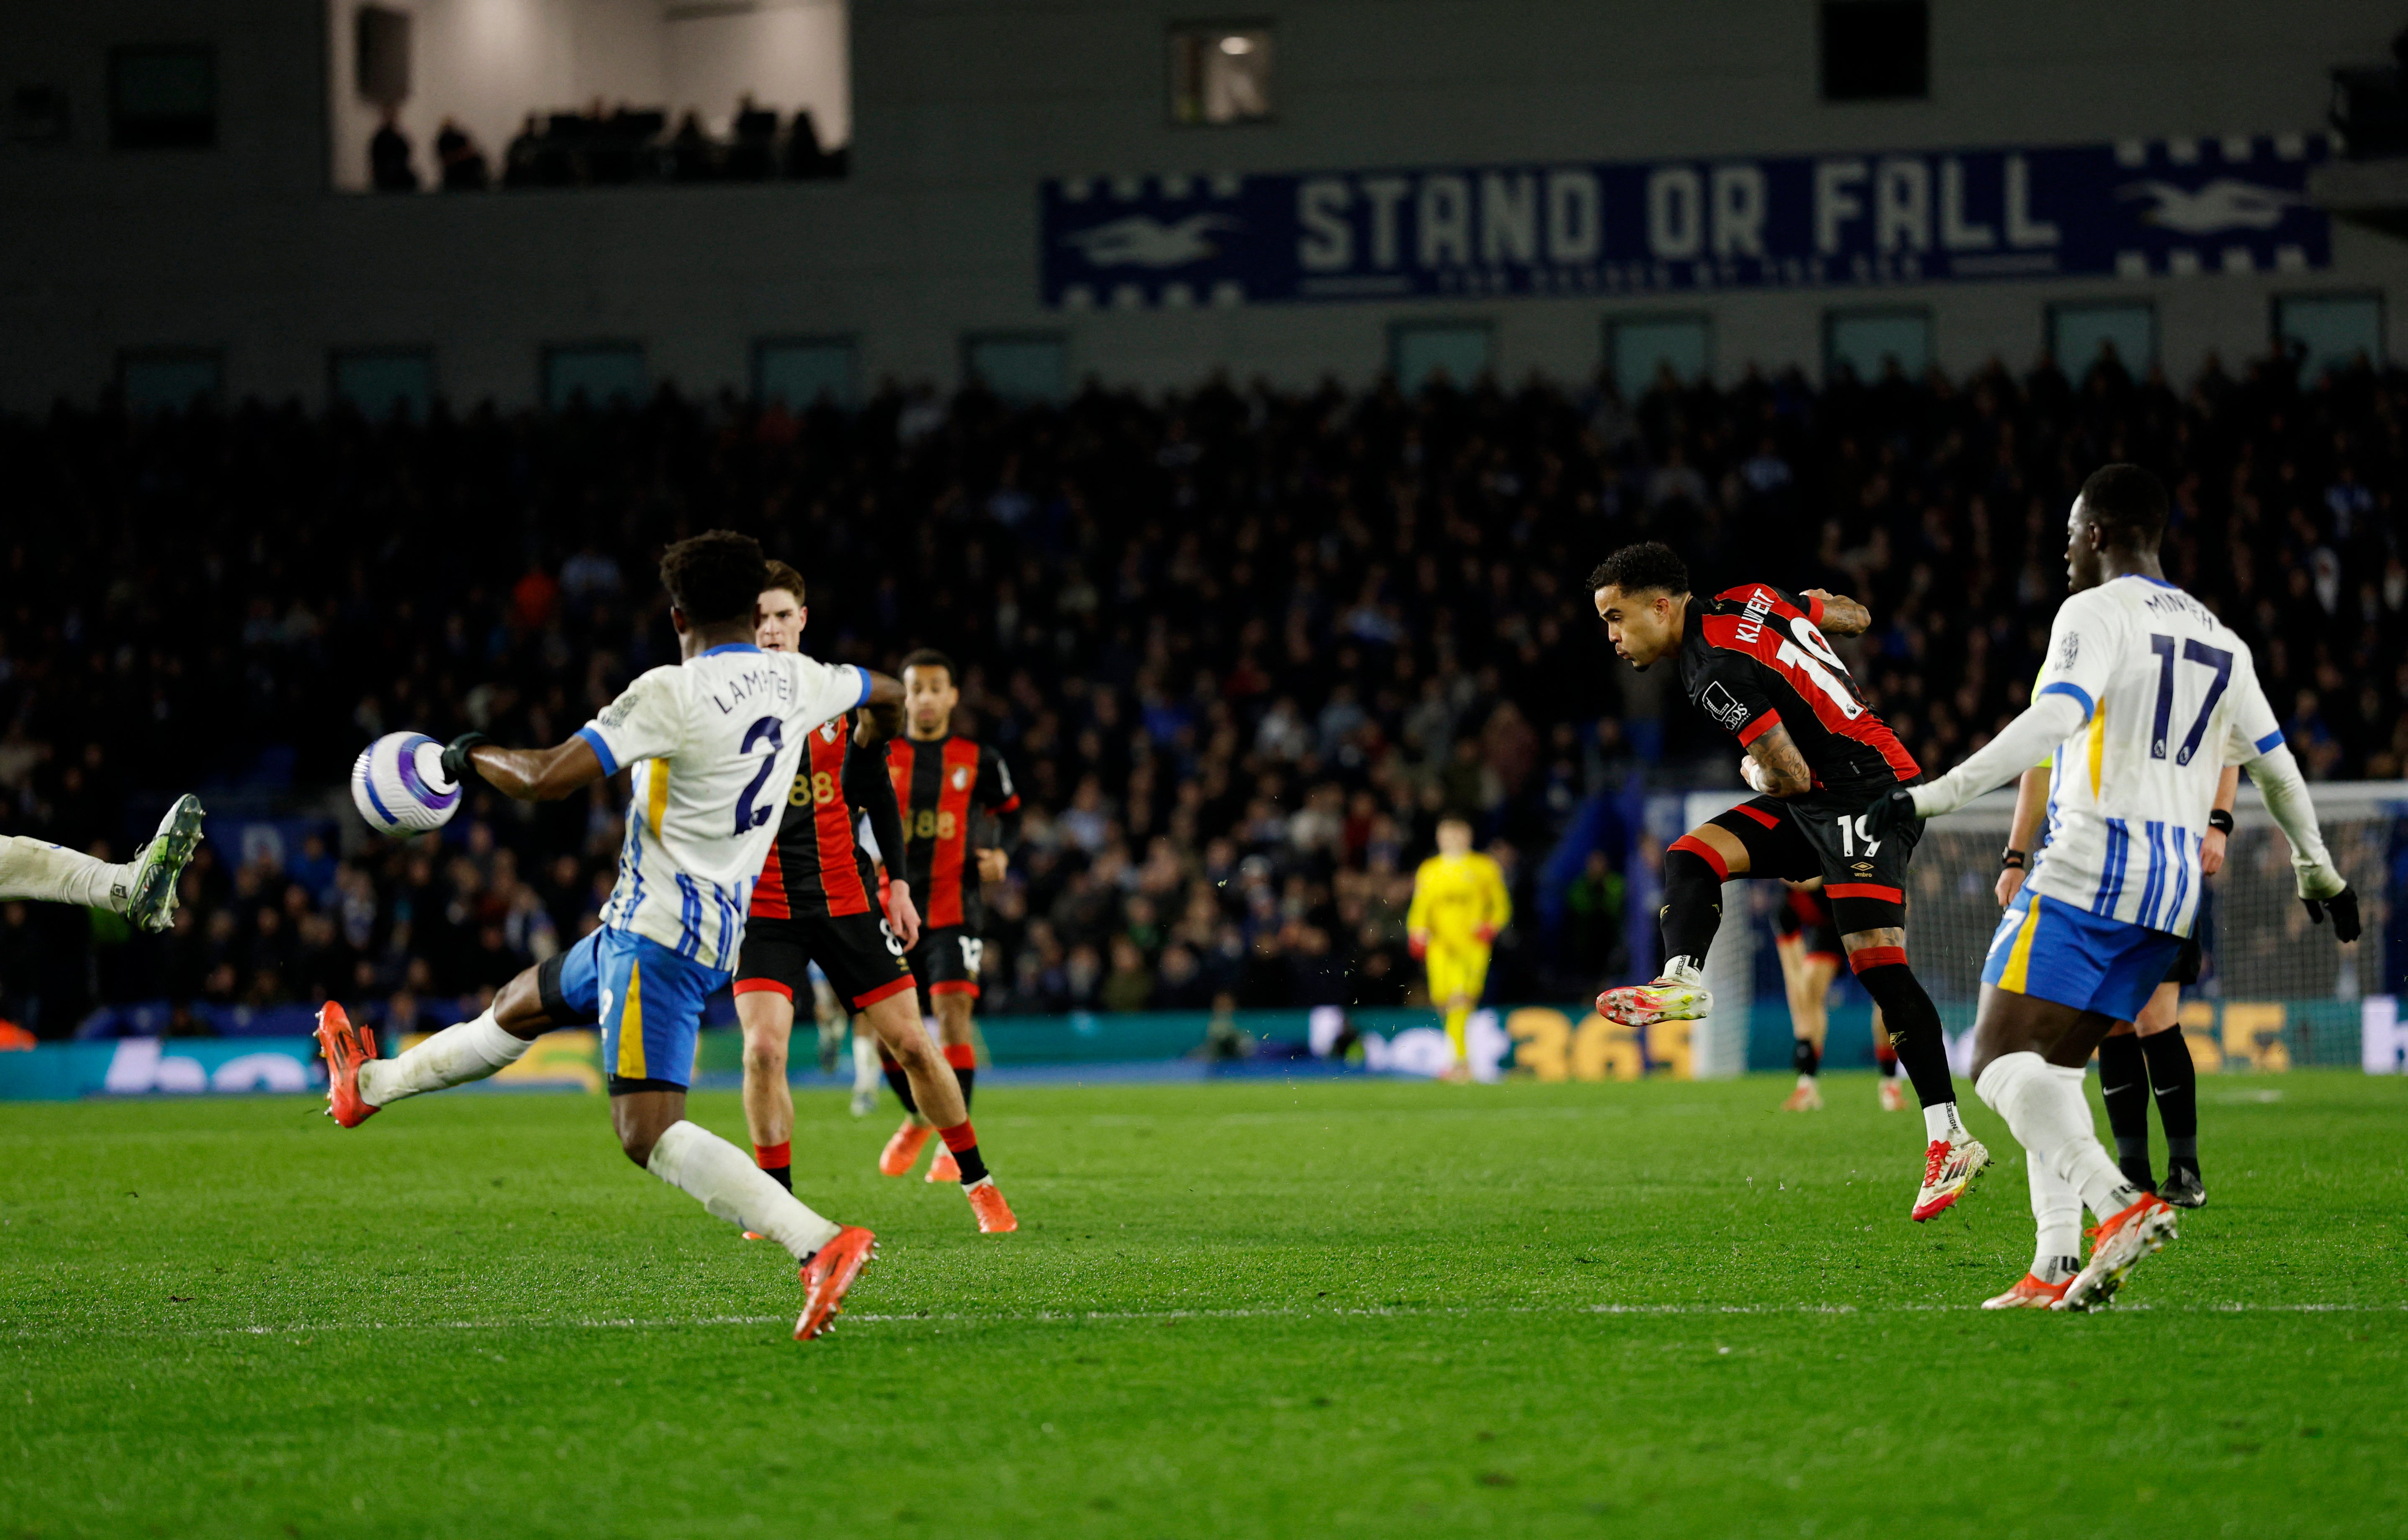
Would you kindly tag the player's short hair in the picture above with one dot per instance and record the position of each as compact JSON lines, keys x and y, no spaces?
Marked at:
{"x":715,"y":576}
{"x":928,"y":657}
{"x":2129,"y":505}
{"x":1636,"y":569}
{"x":782,"y":576}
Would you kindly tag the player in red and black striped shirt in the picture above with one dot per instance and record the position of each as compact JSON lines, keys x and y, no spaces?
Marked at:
{"x":941,"y":781}
{"x":1755,"y":660}
{"x":818,"y":901}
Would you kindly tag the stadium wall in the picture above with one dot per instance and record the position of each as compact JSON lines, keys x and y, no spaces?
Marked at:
{"x":961,"y":111}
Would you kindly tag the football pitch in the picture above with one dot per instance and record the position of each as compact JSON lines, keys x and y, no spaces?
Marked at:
{"x":1236,"y":1308}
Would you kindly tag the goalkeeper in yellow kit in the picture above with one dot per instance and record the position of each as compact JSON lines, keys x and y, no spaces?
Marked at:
{"x":1459,"y":905}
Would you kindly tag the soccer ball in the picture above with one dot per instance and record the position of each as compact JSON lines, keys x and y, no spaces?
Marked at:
{"x":397,"y":784}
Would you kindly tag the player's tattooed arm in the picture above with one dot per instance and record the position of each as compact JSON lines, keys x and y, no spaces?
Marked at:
{"x":538,"y":775}
{"x":1783,"y":768}
{"x":1841,"y":615}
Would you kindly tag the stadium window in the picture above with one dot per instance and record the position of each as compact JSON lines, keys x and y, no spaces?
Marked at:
{"x":1639,"y":348}
{"x":1221,"y":72}
{"x":1876,"y":51}
{"x":2079,"y":336}
{"x":384,"y":383}
{"x":1019,"y":366}
{"x":800,"y":372}
{"x":603,"y":373}
{"x":162,"y":97}
{"x":2329,"y":331}
{"x":1868,"y":341}
{"x":170,"y":379}
{"x":1419,"y":352}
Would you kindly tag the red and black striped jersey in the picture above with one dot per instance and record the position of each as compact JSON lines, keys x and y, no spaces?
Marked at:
{"x":1756,"y":657}
{"x":816,"y":869}
{"x":937,"y":781}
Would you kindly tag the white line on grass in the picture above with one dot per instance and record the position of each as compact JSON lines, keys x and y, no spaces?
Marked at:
{"x":1078,"y":1316}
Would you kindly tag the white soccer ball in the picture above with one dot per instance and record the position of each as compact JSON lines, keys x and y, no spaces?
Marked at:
{"x":397,"y":784}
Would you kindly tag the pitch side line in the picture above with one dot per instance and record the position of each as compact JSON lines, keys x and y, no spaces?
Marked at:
{"x":1107,"y":1317}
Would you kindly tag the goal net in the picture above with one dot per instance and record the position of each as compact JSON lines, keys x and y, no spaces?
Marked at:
{"x":2276,"y":990}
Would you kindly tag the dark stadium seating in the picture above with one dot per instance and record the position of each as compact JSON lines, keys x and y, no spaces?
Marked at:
{"x":1240,"y":646}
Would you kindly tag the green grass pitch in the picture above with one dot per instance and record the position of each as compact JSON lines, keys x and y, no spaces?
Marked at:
{"x":1243,"y":1308}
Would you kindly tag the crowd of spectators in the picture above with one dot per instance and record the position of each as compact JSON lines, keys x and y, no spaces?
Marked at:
{"x":610,"y":146}
{"x":1242,"y":646}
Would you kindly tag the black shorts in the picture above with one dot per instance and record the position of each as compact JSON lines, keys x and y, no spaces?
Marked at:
{"x":2187,"y":963}
{"x":946,"y":961}
{"x":1818,"y":835}
{"x":863,"y":961}
{"x":1804,"y":914}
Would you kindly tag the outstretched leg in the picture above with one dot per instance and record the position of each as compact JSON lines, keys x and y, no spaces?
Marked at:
{"x":142,"y":889}
{"x":1756,"y":838}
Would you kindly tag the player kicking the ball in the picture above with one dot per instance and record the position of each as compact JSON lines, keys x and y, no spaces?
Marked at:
{"x":940,"y":778}
{"x":714,"y":740}
{"x":142,"y":889}
{"x":818,"y":902}
{"x":1753,"y":659}
{"x":2146,"y":696}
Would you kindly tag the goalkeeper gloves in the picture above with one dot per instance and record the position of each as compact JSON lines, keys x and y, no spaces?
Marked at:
{"x":1891,"y":813}
{"x":455,"y":756}
{"x":2343,"y":905}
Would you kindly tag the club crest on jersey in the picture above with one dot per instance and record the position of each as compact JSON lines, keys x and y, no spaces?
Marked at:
{"x":961,"y":777}
{"x":828,"y":731}
{"x":2069,"y":650}
{"x":1723,"y":706}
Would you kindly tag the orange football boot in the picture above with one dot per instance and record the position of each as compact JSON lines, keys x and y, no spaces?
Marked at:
{"x":828,"y":1274}
{"x":995,"y":1215}
{"x":895,"y":1160}
{"x":345,"y":1049}
{"x":944,"y":1168}
{"x":2029,"y":1293}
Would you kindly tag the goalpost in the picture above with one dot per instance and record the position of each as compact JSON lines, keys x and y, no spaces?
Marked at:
{"x":2277,"y":990}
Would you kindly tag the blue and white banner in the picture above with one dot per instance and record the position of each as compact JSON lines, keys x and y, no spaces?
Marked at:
{"x":2133,"y":210}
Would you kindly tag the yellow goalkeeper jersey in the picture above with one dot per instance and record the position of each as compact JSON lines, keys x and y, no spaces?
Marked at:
{"x":1454,"y":896}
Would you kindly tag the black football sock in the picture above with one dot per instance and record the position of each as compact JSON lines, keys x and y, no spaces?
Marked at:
{"x":1914,"y":1023}
{"x":969,"y":1077}
{"x":1692,"y":901}
{"x":900,"y":1082}
{"x":963,"y":1141}
{"x":778,"y":1161}
{"x":963,"y":1057}
{"x":1803,"y":1059}
{"x":2124,"y":1085}
{"x":2174,"y":1079}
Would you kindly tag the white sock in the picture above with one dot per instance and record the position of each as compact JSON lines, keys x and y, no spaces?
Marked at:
{"x":865,"y":1073}
{"x":52,"y":873}
{"x":1805,"y":1082}
{"x":1939,"y":1121}
{"x":2057,"y":1213}
{"x":723,"y":1179}
{"x":453,"y":1057}
{"x":2045,"y":1106}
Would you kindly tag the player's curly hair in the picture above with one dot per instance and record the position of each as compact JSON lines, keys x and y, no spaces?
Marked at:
{"x":2129,"y":505}
{"x":715,"y":576}
{"x":1636,"y":569}
{"x":928,"y":657}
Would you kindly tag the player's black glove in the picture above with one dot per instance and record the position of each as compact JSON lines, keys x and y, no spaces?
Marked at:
{"x":455,"y":756}
{"x":1891,"y":814}
{"x":2343,"y":905}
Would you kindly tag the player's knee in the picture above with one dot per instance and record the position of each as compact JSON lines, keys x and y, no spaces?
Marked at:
{"x":1904,"y":1004}
{"x":1693,"y":869}
{"x":765,"y":1054}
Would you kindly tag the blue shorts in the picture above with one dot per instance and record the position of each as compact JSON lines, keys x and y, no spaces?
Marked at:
{"x":2050,"y":949}
{"x":647,"y":999}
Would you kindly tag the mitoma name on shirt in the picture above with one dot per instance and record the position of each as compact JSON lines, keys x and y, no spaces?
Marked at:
{"x":749,"y":690}
{"x":1759,"y":606}
{"x":2174,"y":601}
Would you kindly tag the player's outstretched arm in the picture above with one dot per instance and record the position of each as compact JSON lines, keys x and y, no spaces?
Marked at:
{"x":881,"y":710}
{"x":1774,"y":765}
{"x":1841,"y":615}
{"x":529,"y":775}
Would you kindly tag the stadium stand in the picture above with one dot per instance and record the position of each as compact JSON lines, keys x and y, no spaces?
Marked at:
{"x":1240,"y":646}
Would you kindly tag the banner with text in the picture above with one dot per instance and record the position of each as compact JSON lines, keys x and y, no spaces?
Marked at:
{"x":2132,"y":209}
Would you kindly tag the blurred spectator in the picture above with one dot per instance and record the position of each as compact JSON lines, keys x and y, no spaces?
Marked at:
{"x":389,"y":167}
{"x":464,"y":163}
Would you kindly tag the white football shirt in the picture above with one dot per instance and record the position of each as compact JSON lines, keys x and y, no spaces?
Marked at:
{"x":714,"y":741}
{"x":2170,"y":697}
